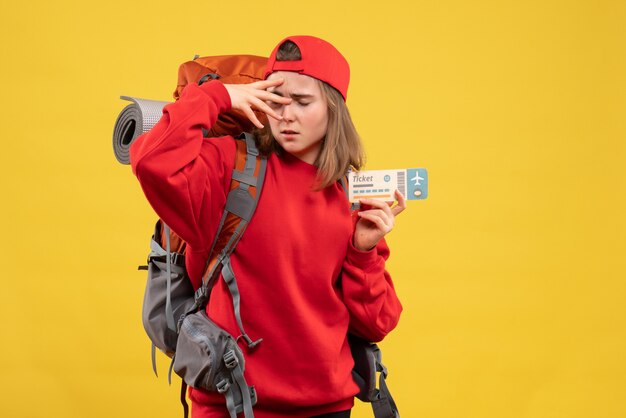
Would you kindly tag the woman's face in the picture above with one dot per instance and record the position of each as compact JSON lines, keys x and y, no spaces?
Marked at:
{"x":305,"y":119}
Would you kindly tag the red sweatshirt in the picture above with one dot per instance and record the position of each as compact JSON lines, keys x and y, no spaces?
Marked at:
{"x":303,"y":284}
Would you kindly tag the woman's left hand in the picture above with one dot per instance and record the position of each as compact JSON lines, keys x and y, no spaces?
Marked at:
{"x":377,"y":219}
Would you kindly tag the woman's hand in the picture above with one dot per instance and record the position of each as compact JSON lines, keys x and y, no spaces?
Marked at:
{"x":376,"y":220}
{"x":246,"y":97}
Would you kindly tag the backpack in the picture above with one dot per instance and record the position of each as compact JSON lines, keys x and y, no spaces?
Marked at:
{"x":173,"y":314}
{"x":169,"y":299}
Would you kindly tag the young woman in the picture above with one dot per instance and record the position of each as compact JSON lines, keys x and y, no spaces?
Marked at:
{"x":309,"y":271}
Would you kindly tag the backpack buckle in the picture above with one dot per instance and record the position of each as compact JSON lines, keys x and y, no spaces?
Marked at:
{"x":200,"y":293}
{"x":230,"y":359}
{"x":178,"y":259}
{"x":223,"y":386}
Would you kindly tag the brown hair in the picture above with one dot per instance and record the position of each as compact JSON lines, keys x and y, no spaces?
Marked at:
{"x":341,"y":147}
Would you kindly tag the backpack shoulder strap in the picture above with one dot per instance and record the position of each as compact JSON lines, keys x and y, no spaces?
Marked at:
{"x":367,"y":364}
{"x":245,"y":189}
{"x":383,"y":404}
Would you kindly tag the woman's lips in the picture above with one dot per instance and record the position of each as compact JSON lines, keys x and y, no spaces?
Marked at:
{"x":289,"y":135}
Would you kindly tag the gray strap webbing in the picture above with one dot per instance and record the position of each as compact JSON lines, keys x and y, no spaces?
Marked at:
{"x":169,"y":313}
{"x":252,"y":152}
{"x":169,"y":372}
{"x":156,"y":250}
{"x":153,"y":356}
{"x":242,"y":204}
{"x":234,"y":239}
{"x":344,"y":185}
{"x":183,"y":398}
{"x":238,"y":204}
{"x":230,"y":402}
{"x":238,"y":386}
{"x":209,"y":280}
{"x":250,"y":144}
{"x":244,"y":178}
{"x":383,"y":406}
{"x":245,"y":391}
{"x":229,"y":278}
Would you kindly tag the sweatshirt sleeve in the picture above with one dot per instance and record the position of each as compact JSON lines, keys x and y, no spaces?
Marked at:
{"x":184,"y":176}
{"x":369,"y":293}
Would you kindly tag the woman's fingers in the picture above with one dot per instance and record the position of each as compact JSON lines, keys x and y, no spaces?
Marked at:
{"x":401,"y":203}
{"x":272,"y":97}
{"x":377,"y":220}
{"x":399,"y":207}
{"x":383,"y":210}
{"x":265,"y":108}
{"x":379,"y":217}
{"x":382,"y":220}
{"x":246,"y":97}
{"x":259,"y":90}
{"x":381,"y":213}
{"x":250,"y":114}
{"x":379,"y":204}
{"x":265,"y":84}
{"x":275,"y":98}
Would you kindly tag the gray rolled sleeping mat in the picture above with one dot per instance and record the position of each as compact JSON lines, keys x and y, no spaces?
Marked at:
{"x":136,"y":118}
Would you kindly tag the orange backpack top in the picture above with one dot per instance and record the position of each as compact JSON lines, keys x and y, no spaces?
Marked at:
{"x":229,"y":69}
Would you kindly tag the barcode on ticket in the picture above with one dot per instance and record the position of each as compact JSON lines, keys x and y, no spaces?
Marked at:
{"x":381,"y":184}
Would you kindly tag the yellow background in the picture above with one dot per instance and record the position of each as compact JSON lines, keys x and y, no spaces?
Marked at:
{"x":512,"y":272}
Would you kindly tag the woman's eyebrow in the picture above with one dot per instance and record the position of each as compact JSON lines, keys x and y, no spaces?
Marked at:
{"x":295,"y":96}
{"x":298,"y":96}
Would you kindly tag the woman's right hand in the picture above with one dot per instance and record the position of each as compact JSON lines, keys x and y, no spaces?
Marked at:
{"x":246,"y":97}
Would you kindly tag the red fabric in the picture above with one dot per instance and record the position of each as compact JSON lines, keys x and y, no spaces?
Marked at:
{"x":289,"y":263}
{"x":320,"y":60}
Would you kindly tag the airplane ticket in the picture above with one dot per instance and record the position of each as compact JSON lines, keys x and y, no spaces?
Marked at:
{"x":381,"y":184}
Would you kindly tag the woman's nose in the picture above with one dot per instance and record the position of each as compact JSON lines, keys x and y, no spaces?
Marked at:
{"x":287,"y":113}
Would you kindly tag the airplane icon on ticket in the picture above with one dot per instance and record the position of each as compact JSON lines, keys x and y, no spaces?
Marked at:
{"x":417,"y":187}
{"x":417,"y":179}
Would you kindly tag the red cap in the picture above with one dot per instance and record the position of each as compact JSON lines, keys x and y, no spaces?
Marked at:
{"x":320,"y":60}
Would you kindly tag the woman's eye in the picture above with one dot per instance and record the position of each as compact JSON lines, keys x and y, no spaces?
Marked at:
{"x":273,"y":105}
{"x":303,"y":103}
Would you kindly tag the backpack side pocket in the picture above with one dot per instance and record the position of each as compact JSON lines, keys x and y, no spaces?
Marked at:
{"x":207,"y":357}
{"x":155,"y":297}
